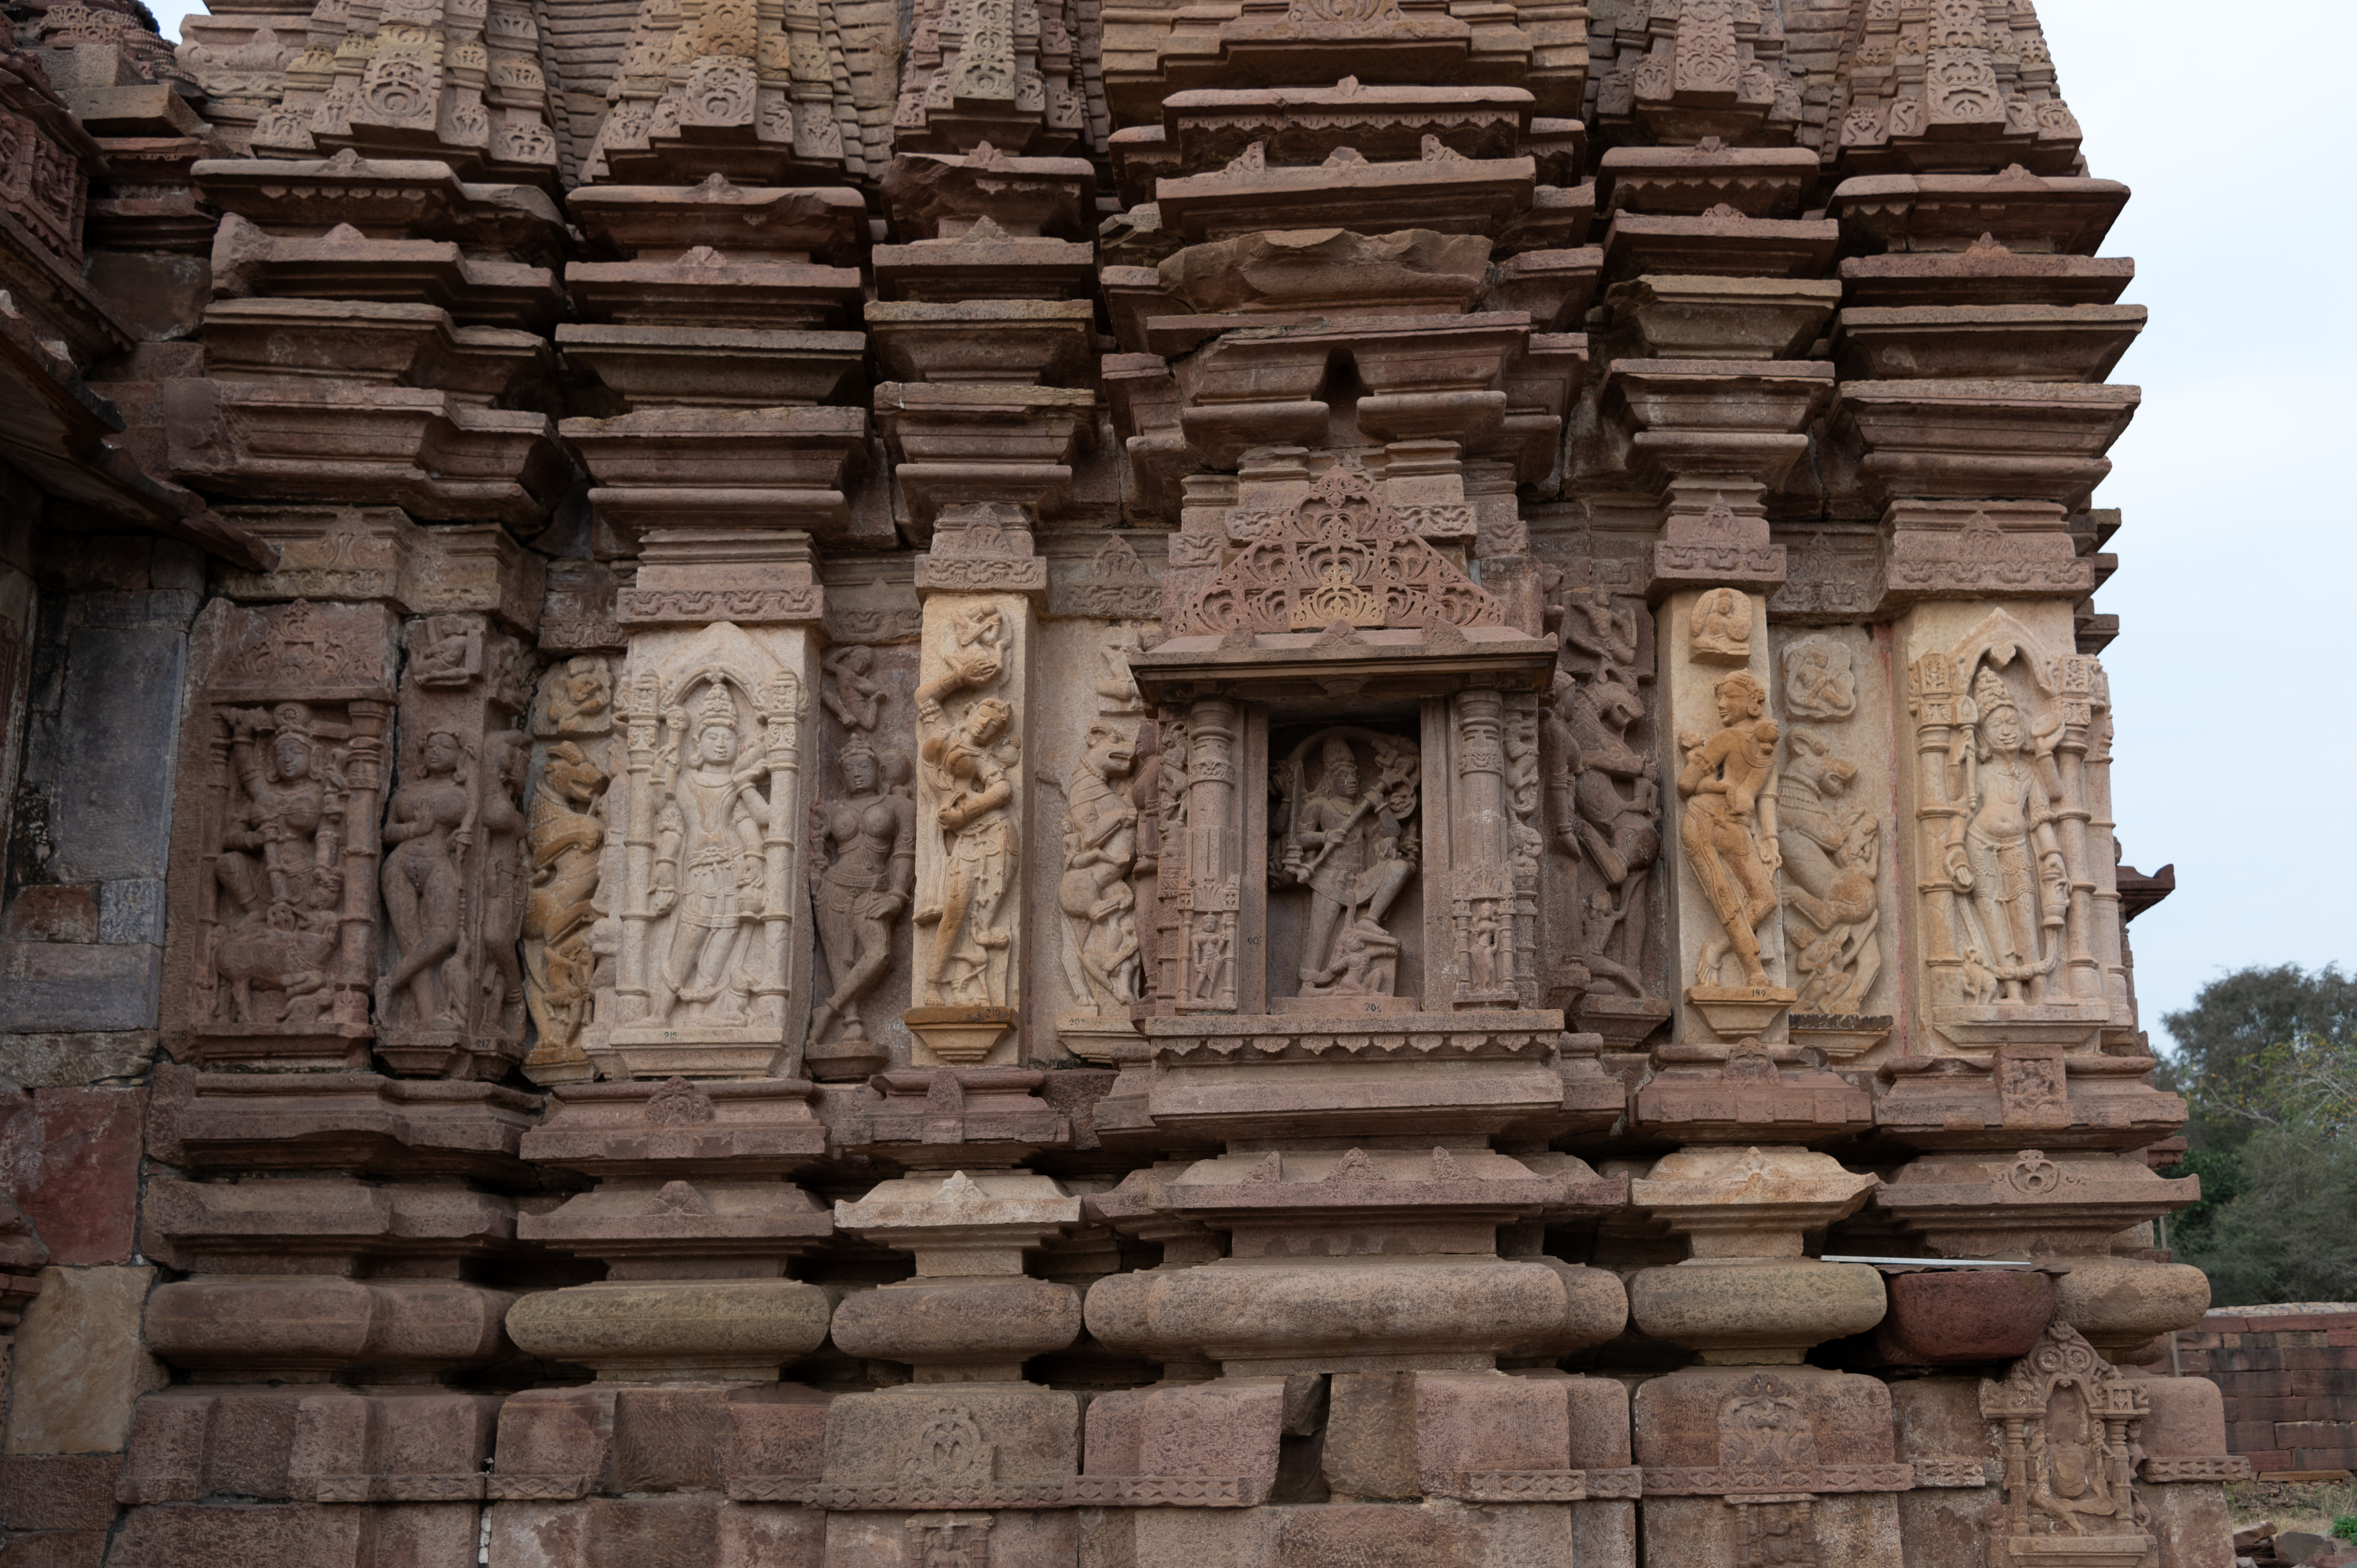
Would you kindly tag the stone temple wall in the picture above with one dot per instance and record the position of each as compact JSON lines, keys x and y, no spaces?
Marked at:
{"x":1003,"y":783}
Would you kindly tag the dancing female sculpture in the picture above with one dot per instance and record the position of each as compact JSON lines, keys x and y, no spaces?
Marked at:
{"x":429,"y":829}
{"x":1728,"y":827}
{"x":861,"y":891}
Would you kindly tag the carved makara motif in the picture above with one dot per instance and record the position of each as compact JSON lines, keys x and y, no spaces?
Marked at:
{"x":1761,"y":1426}
{"x":2070,"y":1423}
{"x":969,"y":756}
{"x":1728,"y":827}
{"x":1346,"y":830}
{"x":864,"y":872}
{"x":713,"y":750}
{"x":1341,"y":554}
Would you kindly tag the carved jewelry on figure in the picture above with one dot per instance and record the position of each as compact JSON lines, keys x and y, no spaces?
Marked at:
{"x":1349,"y":837}
{"x":2003,"y":856}
{"x":1728,"y":827}
{"x":429,"y":830}
{"x":279,"y":873}
{"x":968,"y":760}
{"x":868,"y":843}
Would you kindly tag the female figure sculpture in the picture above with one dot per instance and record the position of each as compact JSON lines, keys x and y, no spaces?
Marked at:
{"x":429,"y":829}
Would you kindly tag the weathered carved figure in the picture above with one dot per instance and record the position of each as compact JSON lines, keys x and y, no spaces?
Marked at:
{"x":567,"y":840}
{"x":500,"y":992}
{"x":1354,"y":848}
{"x":2003,"y":855}
{"x":1728,"y":827}
{"x":967,"y":960}
{"x":708,"y":865}
{"x":869,"y":836}
{"x":1832,"y":851}
{"x":1606,"y":811}
{"x":429,"y":829}
{"x":286,"y":828}
{"x":1720,"y":626}
{"x":1101,"y":834}
{"x":579,"y":701}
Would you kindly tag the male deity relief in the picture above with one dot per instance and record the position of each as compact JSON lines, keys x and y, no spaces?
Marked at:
{"x":1354,"y":848}
{"x":708,"y":865}
{"x":2003,"y":855}
{"x":279,"y":873}
{"x":1728,"y":827}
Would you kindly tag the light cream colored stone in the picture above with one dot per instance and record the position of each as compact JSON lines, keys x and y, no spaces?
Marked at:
{"x":80,"y":1363}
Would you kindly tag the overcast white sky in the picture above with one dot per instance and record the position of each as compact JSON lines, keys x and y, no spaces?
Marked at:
{"x":2237,"y":588}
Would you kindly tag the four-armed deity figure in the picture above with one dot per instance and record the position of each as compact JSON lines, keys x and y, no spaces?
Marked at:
{"x":1348,"y":845}
{"x":709,"y":862}
{"x":2003,"y":855}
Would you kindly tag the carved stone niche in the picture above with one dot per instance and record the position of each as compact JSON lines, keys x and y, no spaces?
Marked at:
{"x":2012,"y":861}
{"x":276,"y":843}
{"x":450,"y":998}
{"x":711,"y":963}
{"x":2070,"y":1424}
{"x":1362,"y":774}
{"x":1358,"y":836}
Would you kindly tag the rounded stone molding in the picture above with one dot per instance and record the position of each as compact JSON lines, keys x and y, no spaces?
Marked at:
{"x":660,"y":1331}
{"x":1767,"y":1311}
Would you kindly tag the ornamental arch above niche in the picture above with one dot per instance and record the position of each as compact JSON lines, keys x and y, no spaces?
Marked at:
{"x":1355,"y":727}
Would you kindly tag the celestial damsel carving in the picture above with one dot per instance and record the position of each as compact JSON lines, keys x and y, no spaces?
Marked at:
{"x":568,"y":839}
{"x":865,"y":871}
{"x":967,"y":758}
{"x":1729,"y":826}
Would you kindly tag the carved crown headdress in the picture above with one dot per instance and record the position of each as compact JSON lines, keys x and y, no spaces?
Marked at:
{"x":719,"y":708}
{"x":1990,"y":693}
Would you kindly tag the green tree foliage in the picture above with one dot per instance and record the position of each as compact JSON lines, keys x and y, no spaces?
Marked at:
{"x":2267,"y":1061}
